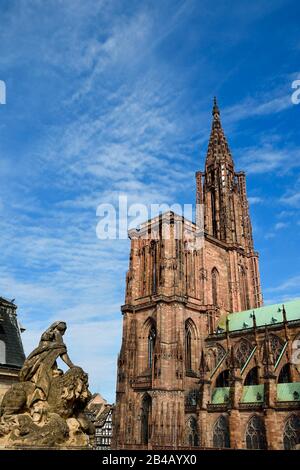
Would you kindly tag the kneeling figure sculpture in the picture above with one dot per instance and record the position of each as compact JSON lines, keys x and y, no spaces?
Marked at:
{"x":46,"y":408}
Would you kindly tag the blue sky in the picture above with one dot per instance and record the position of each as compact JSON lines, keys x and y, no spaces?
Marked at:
{"x":113,"y":97}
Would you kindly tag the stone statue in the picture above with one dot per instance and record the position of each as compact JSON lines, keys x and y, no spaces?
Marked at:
{"x":46,"y":408}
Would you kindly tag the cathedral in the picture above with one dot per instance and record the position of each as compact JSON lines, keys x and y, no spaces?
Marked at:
{"x":203,"y":364}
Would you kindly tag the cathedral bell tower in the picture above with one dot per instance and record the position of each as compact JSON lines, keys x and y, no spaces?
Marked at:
{"x":223,"y":192}
{"x":176,"y":292}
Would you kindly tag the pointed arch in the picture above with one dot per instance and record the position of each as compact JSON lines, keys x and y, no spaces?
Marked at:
{"x":191,"y":432}
{"x":150,"y":333}
{"x":146,"y":412}
{"x":191,"y":325}
{"x":190,"y":334}
{"x":151,"y":345}
{"x":221,"y":437}
{"x":244,"y":296}
{"x":188,"y":348}
{"x":252,"y":378}
{"x":276,"y":346}
{"x":143,"y":270}
{"x":215,"y":286}
{"x":255,"y":435}
{"x":291,"y":432}
{"x":215,"y":355}
{"x":242,"y":351}
{"x":285,"y":375}
{"x":154,"y":256}
{"x":213,"y":212}
{"x":148,"y":323}
{"x":223,"y":379}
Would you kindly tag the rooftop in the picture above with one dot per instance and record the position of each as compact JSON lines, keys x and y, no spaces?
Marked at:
{"x":267,"y":315}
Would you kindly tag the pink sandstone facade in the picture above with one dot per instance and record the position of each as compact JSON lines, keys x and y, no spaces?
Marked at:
{"x":183,"y":372}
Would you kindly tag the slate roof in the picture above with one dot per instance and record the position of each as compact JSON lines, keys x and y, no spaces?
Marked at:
{"x":10,"y":334}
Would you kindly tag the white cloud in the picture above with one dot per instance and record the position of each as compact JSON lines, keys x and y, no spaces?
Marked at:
{"x":292,"y":283}
{"x":255,"y":200}
{"x":122,"y":125}
{"x":292,"y":199}
{"x":281,"y":225}
{"x":268,"y":157}
{"x":271,"y":102}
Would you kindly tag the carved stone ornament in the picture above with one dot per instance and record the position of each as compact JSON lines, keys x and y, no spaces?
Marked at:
{"x":203,"y":274}
{"x":46,"y":407}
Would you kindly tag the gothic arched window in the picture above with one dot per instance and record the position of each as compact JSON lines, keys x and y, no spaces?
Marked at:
{"x":214,"y":356}
{"x":291,"y":432}
{"x":154,"y":266}
{"x":146,"y":419}
{"x":215,"y":286}
{"x":213,"y":213}
{"x":223,"y":379}
{"x":143,"y":270}
{"x":276,"y":346}
{"x":192,"y":397}
{"x":252,"y":377}
{"x":192,"y":435}
{"x":221,"y":433}
{"x":188,"y":347}
{"x":151,"y":344}
{"x":242,"y":352}
{"x":256,"y":433}
{"x":243,"y":289}
{"x":285,"y":374}
{"x":2,"y":352}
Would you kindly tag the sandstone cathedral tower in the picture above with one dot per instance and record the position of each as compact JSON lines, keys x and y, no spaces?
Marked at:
{"x":178,"y":294}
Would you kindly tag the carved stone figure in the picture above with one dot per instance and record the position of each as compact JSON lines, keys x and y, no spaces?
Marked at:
{"x":46,"y":408}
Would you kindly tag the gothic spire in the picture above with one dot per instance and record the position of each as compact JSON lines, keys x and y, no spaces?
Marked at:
{"x":218,"y":150}
{"x":216,"y":111}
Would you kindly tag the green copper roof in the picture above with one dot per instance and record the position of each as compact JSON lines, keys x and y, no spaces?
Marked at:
{"x":220,"y":395}
{"x":268,"y":315}
{"x":288,"y":392}
{"x":253,"y":394}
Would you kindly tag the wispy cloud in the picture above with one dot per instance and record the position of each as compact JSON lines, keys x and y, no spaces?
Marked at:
{"x":262,"y":105}
{"x":54,"y":265}
{"x":292,"y":199}
{"x":255,"y":200}
{"x":281,"y":225}
{"x":108,"y":98}
{"x":283,"y":292}
{"x":276,"y":228}
{"x":269,"y":157}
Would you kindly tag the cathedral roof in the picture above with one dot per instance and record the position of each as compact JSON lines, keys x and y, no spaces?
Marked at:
{"x":286,"y":392}
{"x":218,"y":148}
{"x":268,"y":315}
